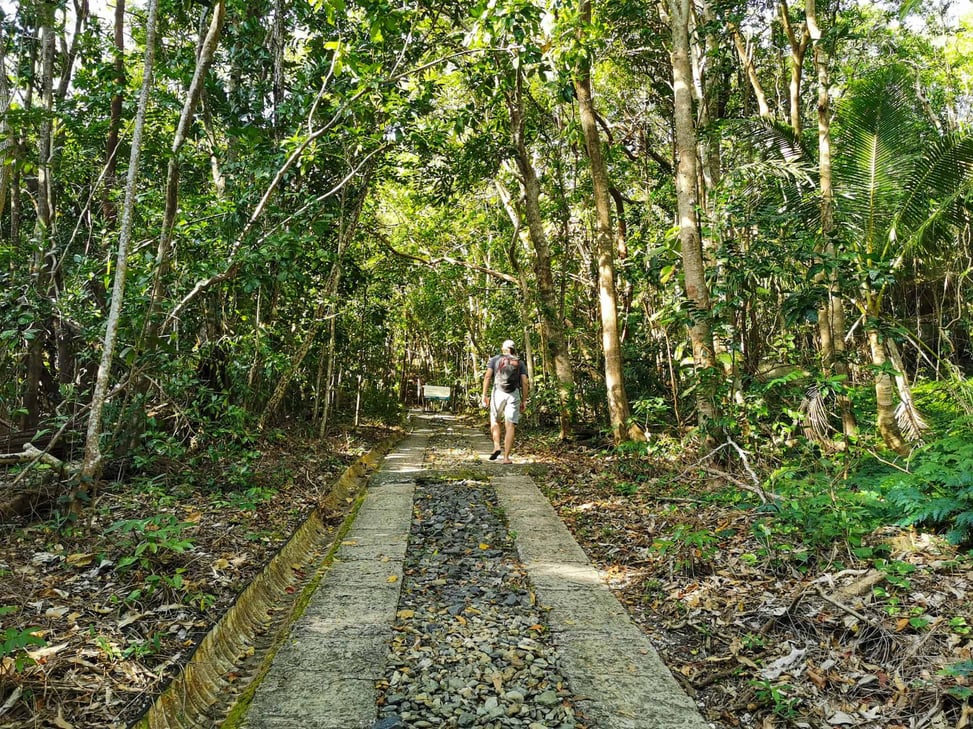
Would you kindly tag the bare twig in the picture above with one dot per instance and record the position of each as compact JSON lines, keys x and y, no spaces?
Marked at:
{"x":848,"y":609}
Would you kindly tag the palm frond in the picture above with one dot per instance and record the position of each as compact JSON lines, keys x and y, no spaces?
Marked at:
{"x":936,"y":192}
{"x":877,"y":131}
{"x":910,"y":421}
{"x":814,"y":407}
{"x":782,"y":173}
{"x":771,"y":140}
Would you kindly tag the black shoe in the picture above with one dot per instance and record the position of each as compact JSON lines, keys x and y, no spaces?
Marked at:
{"x":495,"y":455}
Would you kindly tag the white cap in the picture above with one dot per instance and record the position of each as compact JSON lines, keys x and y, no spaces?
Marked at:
{"x":508,"y":344}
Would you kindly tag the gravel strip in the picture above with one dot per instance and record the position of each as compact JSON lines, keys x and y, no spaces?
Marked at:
{"x":470,"y":647}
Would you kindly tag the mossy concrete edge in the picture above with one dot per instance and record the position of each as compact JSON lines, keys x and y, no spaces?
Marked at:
{"x":189,"y":697}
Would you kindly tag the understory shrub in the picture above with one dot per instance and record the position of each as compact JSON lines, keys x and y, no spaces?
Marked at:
{"x":937,"y":492}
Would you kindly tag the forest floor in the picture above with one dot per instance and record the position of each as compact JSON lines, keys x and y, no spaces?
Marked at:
{"x":120,"y":596}
{"x":760,"y":633}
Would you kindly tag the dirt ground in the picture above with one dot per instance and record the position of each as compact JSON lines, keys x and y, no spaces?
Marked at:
{"x":117,"y":598}
{"x":758,"y":638}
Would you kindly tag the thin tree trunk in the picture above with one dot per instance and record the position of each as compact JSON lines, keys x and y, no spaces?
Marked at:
{"x":115,"y":117}
{"x":131,"y":421}
{"x":329,"y":378}
{"x":694,"y":272}
{"x":831,"y":316}
{"x":326,"y":311}
{"x":623,"y":429}
{"x":6,"y":136}
{"x":552,"y":328}
{"x":43,"y":257}
{"x":284,"y":382}
{"x":798,"y":51}
{"x":747,"y":62}
{"x":164,"y":251}
{"x":219,"y":179}
{"x":91,"y":465}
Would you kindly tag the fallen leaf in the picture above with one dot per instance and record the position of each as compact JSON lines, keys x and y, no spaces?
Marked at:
{"x":405,"y":614}
{"x":130,"y":618}
{"x":13,"y":698}
{"x":840,"y":718}
{"x":60,"y":722}
{"x":392,"y":578}
{"x":42,"y":654}
{"x":221,"y":564}
{"x":80,"y":559}
{"x":784,"y":664}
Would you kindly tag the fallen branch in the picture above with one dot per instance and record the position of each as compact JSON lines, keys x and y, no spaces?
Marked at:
{"x":848,"y":609}
{"x":739,"y":483}
{"x":31,"y":454}
{"x":754,"y":488}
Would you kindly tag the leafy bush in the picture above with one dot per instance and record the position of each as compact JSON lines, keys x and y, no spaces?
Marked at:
{"x":938,"y":491}
{"x":155,"y":538}
{"x":820,"y":511}
{"x":15,"y":641}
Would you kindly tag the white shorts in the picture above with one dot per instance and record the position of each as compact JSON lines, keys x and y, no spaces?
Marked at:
{"x":505,"y":404}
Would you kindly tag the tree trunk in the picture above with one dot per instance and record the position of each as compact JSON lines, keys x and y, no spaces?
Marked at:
{"x":132,"y":420}
{"x":115,"y":117}
{"x":831,"y":316}
{"x":43,"y":256}
{"x":329,"y":379}
{"x":164,"y":253}
{"x":763,"y":108}
{"x":552,"y":328}
{"x":6,"y":135}
{"x":888,"y":426}
{"x":798,"y":51}
{"x":91,"y":465}
{"x":623,"y":429}
{"x":700,"y":333}
{"x":326,"y":311}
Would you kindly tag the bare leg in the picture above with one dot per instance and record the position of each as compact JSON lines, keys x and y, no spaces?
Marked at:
{"x":495,"y":432}
{"x":508,"y":441}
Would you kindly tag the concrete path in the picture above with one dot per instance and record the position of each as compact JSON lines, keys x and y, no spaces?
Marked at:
{"x":324,"y":676}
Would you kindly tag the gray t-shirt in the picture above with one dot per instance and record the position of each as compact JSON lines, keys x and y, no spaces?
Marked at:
{"x":493,"y":363}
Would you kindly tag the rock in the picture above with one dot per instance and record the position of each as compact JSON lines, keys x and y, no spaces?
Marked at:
{"x":548,"y":698}
{"x":389,"y":722}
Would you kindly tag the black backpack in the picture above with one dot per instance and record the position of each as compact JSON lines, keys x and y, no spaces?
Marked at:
{"x":508,"y":373}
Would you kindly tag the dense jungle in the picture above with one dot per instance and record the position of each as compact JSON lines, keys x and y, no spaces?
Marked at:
{"x":730,"y":238}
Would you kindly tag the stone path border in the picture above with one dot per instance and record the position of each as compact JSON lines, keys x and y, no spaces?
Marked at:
{"x":604,"y":655}
{"x":323,"y":676}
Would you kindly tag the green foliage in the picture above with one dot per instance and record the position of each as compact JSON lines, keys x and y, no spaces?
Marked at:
{"x":15,"y":641}
{"x":814,"y":511}
{"x":776,"y":697}
{"x":689,"y":548}
{"x":151,"y":541}
{"x":962,"y":670}
{"x":247,"y":500}
{"x":937,"y":492}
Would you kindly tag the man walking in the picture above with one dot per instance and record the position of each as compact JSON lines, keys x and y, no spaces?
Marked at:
{"x":509,"y":398}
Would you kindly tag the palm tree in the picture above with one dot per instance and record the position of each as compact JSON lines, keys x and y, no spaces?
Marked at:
{"x":901,"y":193}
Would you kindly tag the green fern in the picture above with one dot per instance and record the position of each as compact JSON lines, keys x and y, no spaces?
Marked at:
{"x":938,"y":493}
